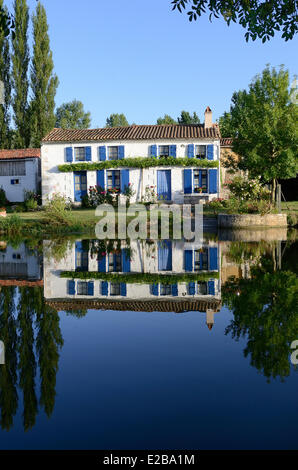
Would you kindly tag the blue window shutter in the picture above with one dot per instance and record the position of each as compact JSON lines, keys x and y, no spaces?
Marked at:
{"x":124,"y":179}
{"x":88,"y":154}
{"x":90,"y":288}
{"x":102,"y":153}
{"x":153,"y":150}
{"x":188,"y":260}
{"x":211,"y":287}
{"x":154,"y":289}
{"x":104,"y":288}
{"x":191,"y":288}
{"x":102,"y":264}
{"x":190,"y":150}
{"x":101,"y":178}
{"x":123,"y":290}
{"x":173,"y":151}
{"x":69,"y":157}
{"x":210,"y":152}
{"x":71,"y":287}
{"x":213,"y":258}
{"x":213,"y":181}
{"x":187,"y":181}
{"x":125,"y":261}
{"x":120,"y":152}
{"x":174,"y":290}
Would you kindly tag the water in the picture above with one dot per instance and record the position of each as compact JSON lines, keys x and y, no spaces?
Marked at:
{"x":102,"y":352}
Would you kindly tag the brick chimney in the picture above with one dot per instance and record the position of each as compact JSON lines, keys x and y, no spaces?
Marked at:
{"x":208,"y":118}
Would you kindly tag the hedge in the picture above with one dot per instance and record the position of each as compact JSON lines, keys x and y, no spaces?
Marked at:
{"x":139,"y":162}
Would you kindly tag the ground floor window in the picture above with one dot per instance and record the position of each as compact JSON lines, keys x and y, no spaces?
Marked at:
{"x":201,"y":259}
{"x":115,"y":262}
{"x":113,"y":179}
{"x":200,"y":181}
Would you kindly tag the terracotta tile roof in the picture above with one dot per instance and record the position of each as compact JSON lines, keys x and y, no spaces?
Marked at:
{"x":19,"y":153}
{"x":226,"y":142}
{"x":154,"y":132}
{"x":176,"y":306}
{"x":18,"y":283}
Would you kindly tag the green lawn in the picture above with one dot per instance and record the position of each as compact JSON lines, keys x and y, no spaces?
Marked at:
{"x":290,"y":207}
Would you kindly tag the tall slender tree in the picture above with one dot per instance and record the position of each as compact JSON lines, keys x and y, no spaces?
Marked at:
{"x":43,"y":80}
{"x":20,"y":64}
{"x":5,"y":89}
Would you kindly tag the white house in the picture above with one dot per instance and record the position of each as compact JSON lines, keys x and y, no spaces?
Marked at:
{"x":74,"y":159}
{"x":19,"y":172}
{"x":19,"y":266}
{"x":161,"y":276}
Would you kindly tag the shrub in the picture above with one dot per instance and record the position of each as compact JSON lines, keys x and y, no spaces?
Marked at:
{"x":150,"y":195}
{"x":3,"y":200}
{"x":11,"y":224}
{"x":97,"y":195}
{"x":246,"y":189}
{"x":58,"y":211}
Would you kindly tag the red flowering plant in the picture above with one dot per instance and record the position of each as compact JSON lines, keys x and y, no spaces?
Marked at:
{"x":96,"y":195}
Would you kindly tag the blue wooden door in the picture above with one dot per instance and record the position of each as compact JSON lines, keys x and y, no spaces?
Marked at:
{"x":80,"y":185}
{"x":164,"y":191}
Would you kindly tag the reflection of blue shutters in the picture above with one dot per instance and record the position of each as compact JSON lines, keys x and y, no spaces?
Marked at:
{"x":173,"y":151}
{"x":120,"y":152}
{"x":88,"y":154}
{"x":213,"y":181}
{"x":154,"y":289}
{"x":190,"y":150}
{"x":165,"y":256}
{"x":188,"y":260}
{"x":174,"y":290}
{"x":125,"y":261}
{"x":210,"y":152}
{"x":69,"y":157}
{"x":102,"y":264}
{"x":213,"y":259}
{"x":123,"y":289}
{"x":187,"y":181}
{"x":90,"y":288}
{"x":101,"y":178}
{"x":104,"y":288}
{"x":153,"y":151}
{"x":102,"y":153}
{"x":71,"y":287}
{"x":211,"y":287}
{"x":191,"y":288}
{"x":124,"y":179}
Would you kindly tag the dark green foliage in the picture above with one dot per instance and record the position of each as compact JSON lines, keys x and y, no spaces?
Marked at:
{"x":72,"y":116}
{"x":6,"y":21}
{"x":20,"y":64}
{"x":117,"y":120}
{"x":139,"y":162}
{"x":43,"y":80}
{"x":166,"y":120}
{"x":261,"y":19}
{"x":6,"y":80}
{"x":142,"y":278}
{"x":187,"y":118}
{"x":225,"y":125}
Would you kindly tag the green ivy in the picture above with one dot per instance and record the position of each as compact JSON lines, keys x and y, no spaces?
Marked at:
{"x":141,"y":278}
{"x":138,"y":162}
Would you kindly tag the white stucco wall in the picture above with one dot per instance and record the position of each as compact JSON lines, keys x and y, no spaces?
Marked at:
{"x":28,"y":182}
{"x":54,"y":154}
{"x":11,"y":257}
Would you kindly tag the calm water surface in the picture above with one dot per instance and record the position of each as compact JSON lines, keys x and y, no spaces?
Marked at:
{"x":164,"y":345}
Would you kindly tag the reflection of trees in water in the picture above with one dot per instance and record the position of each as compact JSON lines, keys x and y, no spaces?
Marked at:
{"x":265,"y":311}
{"x":32,"y":337}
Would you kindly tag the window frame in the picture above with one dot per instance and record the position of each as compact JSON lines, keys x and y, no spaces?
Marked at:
{"x":163,"y":155}
{"x":197,"y":154}
{"x":113,"y":147}
{"x":75,"y":156}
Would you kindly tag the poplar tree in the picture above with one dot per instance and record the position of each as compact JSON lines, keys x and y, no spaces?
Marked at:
{"x":20,"y":64}
{"x":43,"y":80}
{"x":5,"y":89}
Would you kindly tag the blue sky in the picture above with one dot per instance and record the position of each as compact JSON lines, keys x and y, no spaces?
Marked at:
{"x":139,"y":58}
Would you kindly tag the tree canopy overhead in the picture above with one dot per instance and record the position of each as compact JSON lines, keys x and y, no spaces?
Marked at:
{"x":117,"y":120}
{"x":261,"y":18}
{"x":72,"y":116}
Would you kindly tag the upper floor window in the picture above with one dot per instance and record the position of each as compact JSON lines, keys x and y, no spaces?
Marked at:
{"x":113,"y":153}
{"x":80,"y":154}
{"x":82,"y":288}
{"x":115,"y":288}
{"x":165,"y":289}
{"x":164,"y":150}
{"x":201,"y":151}
{"x":13,"y":168}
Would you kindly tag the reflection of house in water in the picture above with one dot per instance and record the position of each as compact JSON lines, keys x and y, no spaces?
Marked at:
{"x":169,"y":276}
{"x":19,"y":266}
